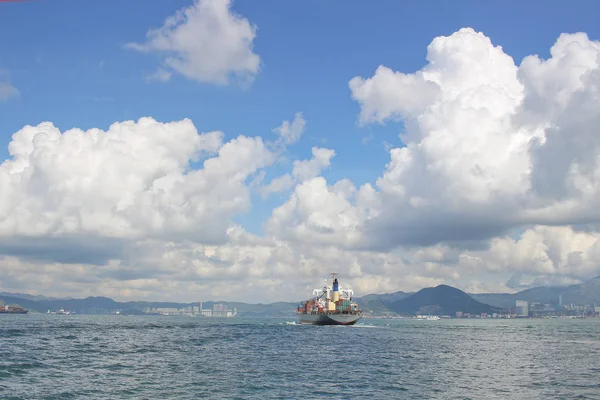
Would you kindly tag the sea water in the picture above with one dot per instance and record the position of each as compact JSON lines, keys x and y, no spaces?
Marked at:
{"x":152,"y":357}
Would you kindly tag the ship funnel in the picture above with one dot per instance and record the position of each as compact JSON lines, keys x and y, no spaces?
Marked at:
{"x":335,"y":291}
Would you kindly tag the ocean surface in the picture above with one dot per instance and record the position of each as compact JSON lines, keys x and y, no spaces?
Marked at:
{"x":152,"y":357}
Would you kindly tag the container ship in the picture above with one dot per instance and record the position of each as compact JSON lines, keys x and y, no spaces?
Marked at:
{"x":12,"y":310}
{"x":330,"y":306}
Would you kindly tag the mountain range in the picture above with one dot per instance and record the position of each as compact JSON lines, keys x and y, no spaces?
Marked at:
{"x":584,"y":293}
{"x":441,"y":299}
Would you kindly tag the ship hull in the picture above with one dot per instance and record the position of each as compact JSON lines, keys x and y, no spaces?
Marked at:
{"x":14,"y":312}
{"x":329,"y":319}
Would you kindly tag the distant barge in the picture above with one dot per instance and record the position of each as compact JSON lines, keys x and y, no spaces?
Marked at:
{"x":12,"y":310}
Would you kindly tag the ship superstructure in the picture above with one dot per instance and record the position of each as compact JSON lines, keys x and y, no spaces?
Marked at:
{"x":330,"y":305}
{"x":62,"y":311}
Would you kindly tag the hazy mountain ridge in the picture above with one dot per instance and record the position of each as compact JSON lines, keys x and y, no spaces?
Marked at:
{"x":583,"y":293}
{"x":446,"y":299}
{"x":386,"y":297}
{"x":105,"y":305}
{"x":441,"y":300}
{"x":504,"y":300}
{"x":379,"y":304}
{"x":32,"y":296}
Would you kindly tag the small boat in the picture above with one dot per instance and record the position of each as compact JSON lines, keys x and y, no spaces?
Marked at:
{"x":61,"y":311}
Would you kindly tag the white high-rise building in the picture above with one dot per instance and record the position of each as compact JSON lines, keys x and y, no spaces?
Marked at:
{"x":522,"y":308}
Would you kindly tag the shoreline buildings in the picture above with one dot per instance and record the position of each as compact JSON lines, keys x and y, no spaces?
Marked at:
{"x":522,"y":308}
{"x":525,"y":309}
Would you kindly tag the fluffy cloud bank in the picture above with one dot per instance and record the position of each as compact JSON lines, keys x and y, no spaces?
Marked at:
{"x":132,"y":181}
{"x":204,"y":42}
{"x":494,"y":189}
{"x":250,"y":268}
{"x":145,"y":209}
{"x":246,"y":268}
{"x":489,"y":146}
{"x":540,"y":256}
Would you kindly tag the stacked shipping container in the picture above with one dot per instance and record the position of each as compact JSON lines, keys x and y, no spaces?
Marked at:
{"x":340,"y":306}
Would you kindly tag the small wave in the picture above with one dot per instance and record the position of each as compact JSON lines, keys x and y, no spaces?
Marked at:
{"x":144,"y":350}
{"x":187,"y":326}
{"x":291,"y":323}
{"x":68,"y":337}
{"x":365,"y":326}
{"x":8,"y":333}
{"x":582,"y":342}
{"x":21,"y":368}
{"x":115,"y":367}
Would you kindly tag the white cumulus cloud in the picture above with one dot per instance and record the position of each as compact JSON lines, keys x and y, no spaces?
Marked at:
{"x":544,"y":251}
{"x":495,"y":189}
{"x":489,"y":145}
{"x":160,"y":75}
{"x":308,"y":169}
{"x":246,"y":268}
{"x":322,"y":215}
{"x":133,"y":180}
{"x":205,"y":42}
{"x":302,"y":170}
{"x":290,"y":132}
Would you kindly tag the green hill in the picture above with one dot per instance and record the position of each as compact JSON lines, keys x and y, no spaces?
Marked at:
{"x":31,"y":305}
{"x":379,"y":304}
{"x":440,"y":300}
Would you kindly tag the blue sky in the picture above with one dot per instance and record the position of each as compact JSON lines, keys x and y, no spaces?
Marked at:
{"x":73,"y":65}
{"x":68,"y":61}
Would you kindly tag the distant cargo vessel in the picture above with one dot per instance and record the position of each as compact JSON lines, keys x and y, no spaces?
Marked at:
{"x":61,"y":311}
{"x":330,"y":306}
{"x":12,"y":310}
